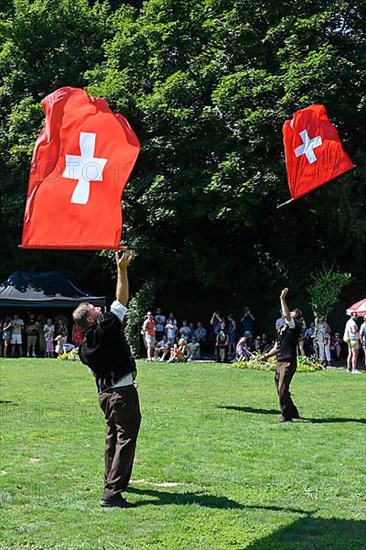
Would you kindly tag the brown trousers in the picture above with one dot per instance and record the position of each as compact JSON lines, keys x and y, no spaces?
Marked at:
{"x":284,"y":373}
{"x":123,"y":417}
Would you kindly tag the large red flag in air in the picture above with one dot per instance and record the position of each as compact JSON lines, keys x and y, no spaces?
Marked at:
{"x":81,"y":163}
{"x":313,"y":150}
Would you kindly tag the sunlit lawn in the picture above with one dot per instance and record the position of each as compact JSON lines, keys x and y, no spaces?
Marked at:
{"x":214,"y":469}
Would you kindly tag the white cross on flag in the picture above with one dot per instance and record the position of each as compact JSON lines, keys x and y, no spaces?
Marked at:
{"x":81,"y":163}
{"x":84,"y":168}
{"x":313,"y":150}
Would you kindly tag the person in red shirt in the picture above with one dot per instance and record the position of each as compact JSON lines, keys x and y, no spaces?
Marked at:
{"x":149,"y":330}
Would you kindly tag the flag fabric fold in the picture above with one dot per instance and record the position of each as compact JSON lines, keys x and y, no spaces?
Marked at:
{"x":313,"y":151}
{"x":81,"y":162}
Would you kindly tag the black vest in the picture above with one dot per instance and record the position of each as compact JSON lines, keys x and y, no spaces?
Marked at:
{"x":287,"y":342}
{"x":106,"y":352}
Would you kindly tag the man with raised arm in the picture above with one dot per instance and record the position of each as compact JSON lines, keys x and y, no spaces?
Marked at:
{"x":106,"y":352}
{"x":285,"y":349}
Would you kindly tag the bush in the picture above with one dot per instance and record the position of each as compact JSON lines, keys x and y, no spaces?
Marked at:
{"x":137,"y":309}
{"x":304,"y":364}
{"x":72,"y":355}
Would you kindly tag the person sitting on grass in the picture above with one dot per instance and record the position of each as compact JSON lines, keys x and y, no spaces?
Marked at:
{"x":242,"y":352}
{"x":193,"y":350}
{"x":179,"y":352}
{"x":162,"y":349}
{"x":60,"y":347}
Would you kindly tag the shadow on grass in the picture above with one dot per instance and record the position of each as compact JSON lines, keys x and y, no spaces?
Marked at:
{"x":311,"y":533}
{"x":4,"y":402}
{"x":333,"y":420}
{"x":310,"y":420}
{"x":306,"y":533}
{"x":162,"y":498}
{"x":248,"y":409}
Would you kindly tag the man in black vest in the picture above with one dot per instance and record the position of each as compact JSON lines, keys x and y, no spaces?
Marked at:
{"x":286,"y":351}
{"x":106,"y":352}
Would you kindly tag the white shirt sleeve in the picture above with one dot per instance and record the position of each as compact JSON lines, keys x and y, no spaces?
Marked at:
{"x":290,"y":323}
{"x":119,"y":310}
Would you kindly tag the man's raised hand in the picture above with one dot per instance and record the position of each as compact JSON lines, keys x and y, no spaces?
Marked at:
{"x":283,"y":293}
{"x":124,"y":260}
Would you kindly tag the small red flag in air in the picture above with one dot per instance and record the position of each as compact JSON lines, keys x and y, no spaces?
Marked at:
{"x":81,"y":162}
{"x":313,"y":150}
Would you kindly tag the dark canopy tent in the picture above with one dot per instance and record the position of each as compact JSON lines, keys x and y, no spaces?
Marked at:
{"x":48,"y":289}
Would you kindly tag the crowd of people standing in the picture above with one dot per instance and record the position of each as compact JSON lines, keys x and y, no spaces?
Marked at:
{"x":231,"y":339}
{"x":37,"y":336}
{"x":226,"y":338}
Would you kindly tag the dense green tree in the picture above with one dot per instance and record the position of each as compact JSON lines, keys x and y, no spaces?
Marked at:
{"x":207,"y":85}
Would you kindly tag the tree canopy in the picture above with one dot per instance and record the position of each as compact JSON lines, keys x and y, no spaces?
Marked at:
{"x":207,"y":85}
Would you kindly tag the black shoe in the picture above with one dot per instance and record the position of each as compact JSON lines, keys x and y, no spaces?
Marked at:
{"x":116,"y":502}
{"x":283,"y":419}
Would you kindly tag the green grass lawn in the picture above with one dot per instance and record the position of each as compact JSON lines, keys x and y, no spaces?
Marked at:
{"x":214,"y":469}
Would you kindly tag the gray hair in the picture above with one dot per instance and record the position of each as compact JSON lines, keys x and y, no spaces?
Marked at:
{"x":80,"y":314}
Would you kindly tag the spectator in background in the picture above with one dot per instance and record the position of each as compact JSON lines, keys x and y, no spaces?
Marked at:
{"x":242,"y":352}
{"x":336,"y":346}
{"x":171,"y":329}
{"x":322,"y":337}
{"x":309,"y":340}
{"x":49,"y":335}
{"x":280,"y":322}
{"x":60,"y":346}
{"x":352,"y":338}
{"x":258,"y":344}
{"x":247,"y":321}
{"x":50,"y":348}
{"x":148,"y":328}
{"x":16,"y":334}
{"x":160,"y":320}
{"x":250,"y":341}
{"x":301,"y":348}
{"x":363,"y":338}
{"x":32,"y":329}
{"x":49,"y":327}
{"x":62,"y":330}
{"x":231,"y":332}
{"x":215,"y":322}
{"x":162,"y":349}
{"x":193,"y":350}
{"x":191,"y":330}
{"x":200,"y":333}
{"x":6,"y":334}
{"x":179,"y":352}
{"x":41,"y":339}
{"x":265,"y":344}
{"x":185,"y":331}
{"x":222,"y":341}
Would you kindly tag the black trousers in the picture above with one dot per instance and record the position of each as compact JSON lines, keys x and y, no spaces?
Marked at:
{"x":284,"y":373}
{"x":123,"y":417}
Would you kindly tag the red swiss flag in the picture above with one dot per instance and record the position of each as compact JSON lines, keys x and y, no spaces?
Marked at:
{"x":313,"y":150}
{"x":81,"y":163}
